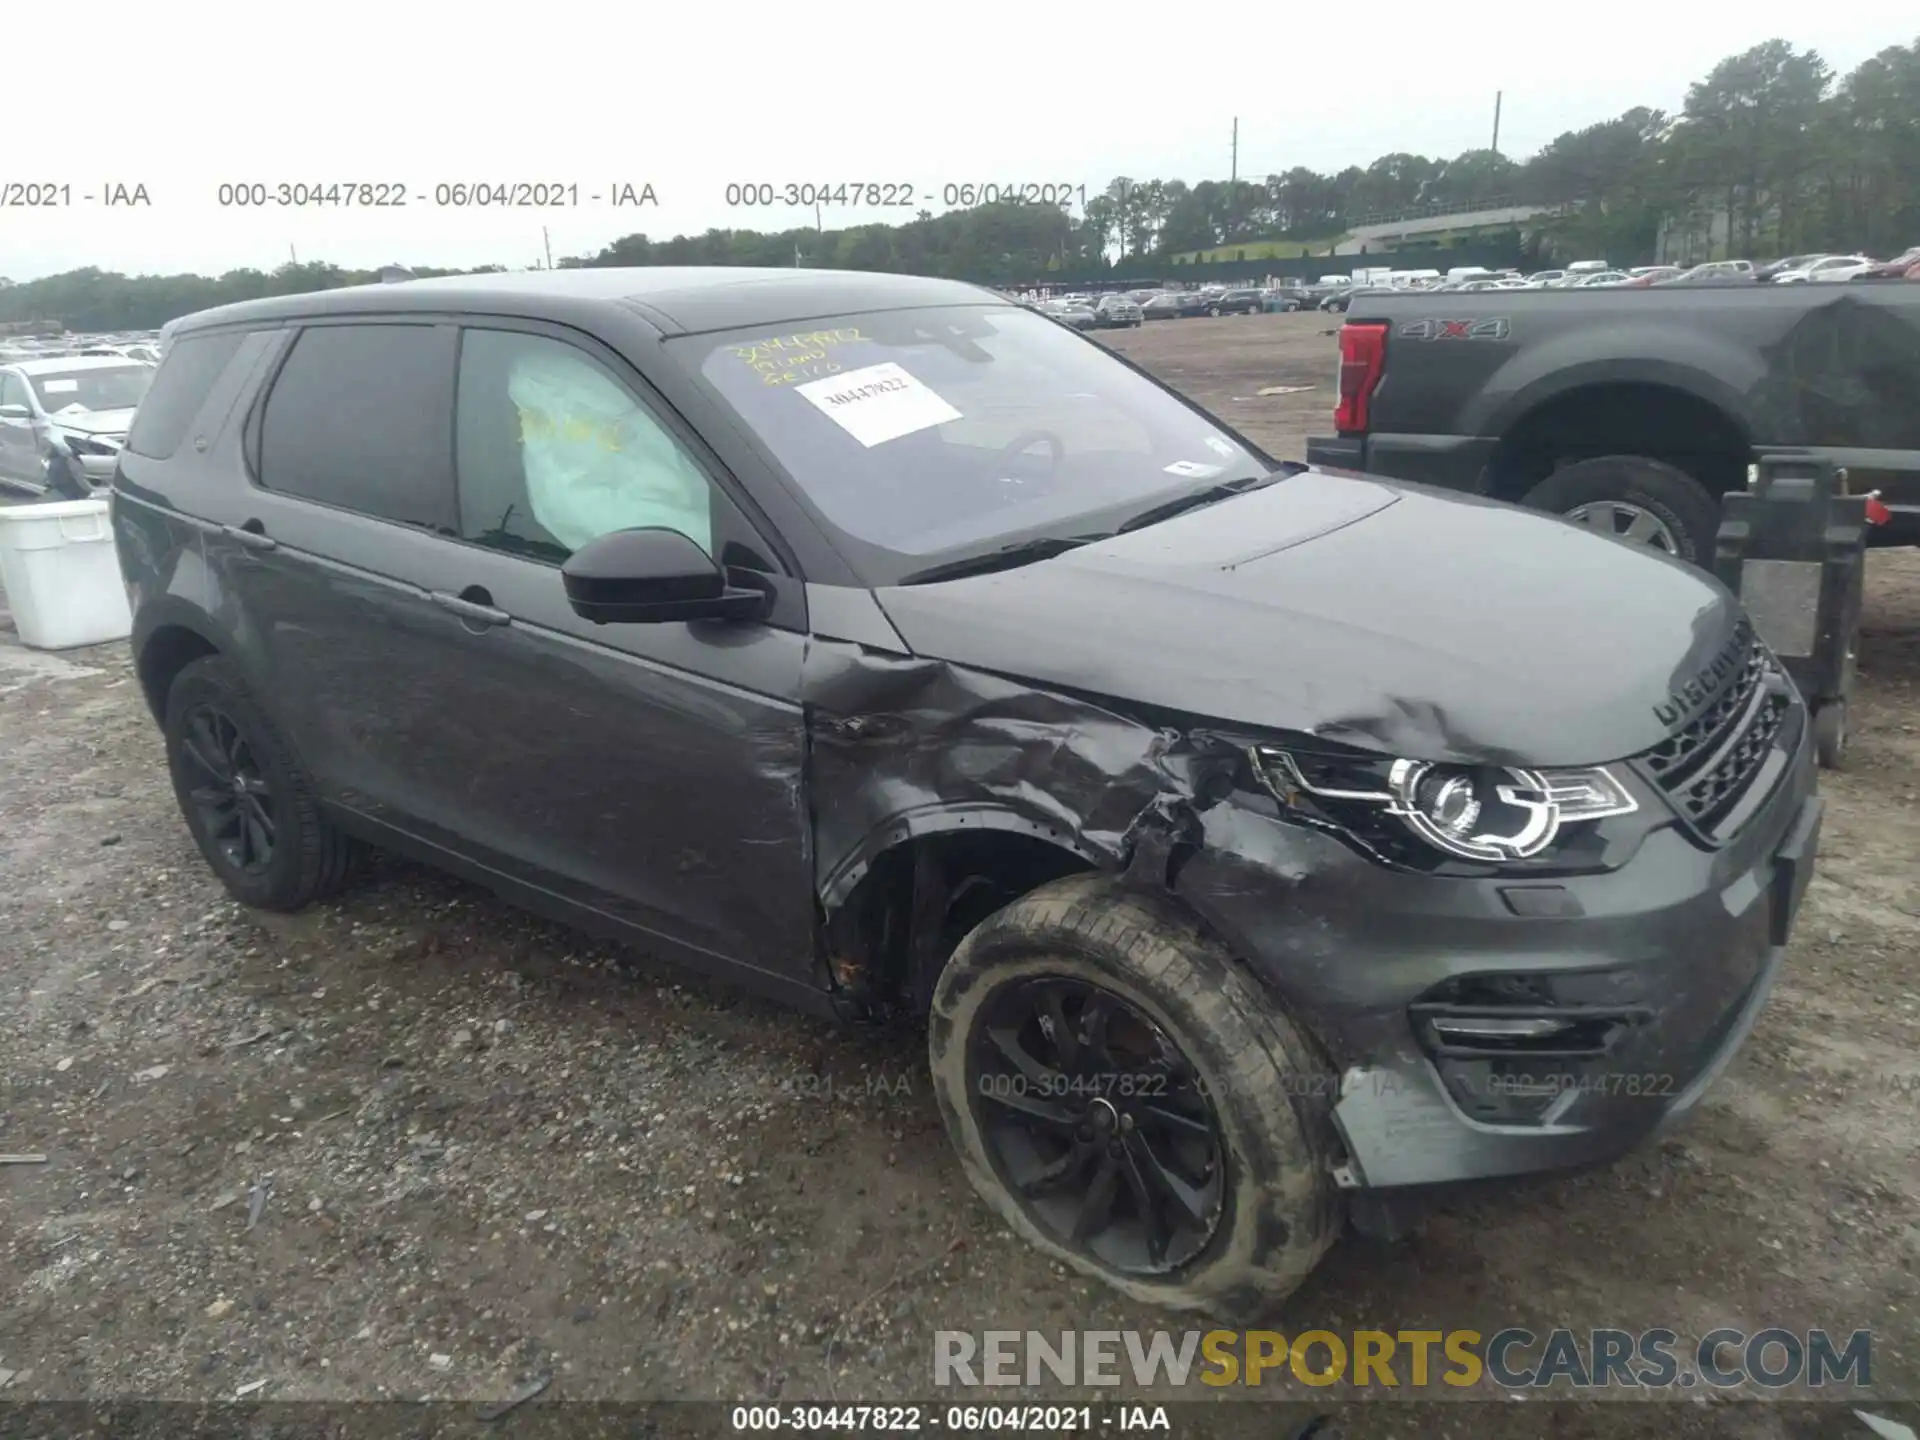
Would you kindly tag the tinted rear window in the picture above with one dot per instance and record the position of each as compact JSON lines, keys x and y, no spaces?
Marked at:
{"x":361,"y":417}
{"x":178,"y":391}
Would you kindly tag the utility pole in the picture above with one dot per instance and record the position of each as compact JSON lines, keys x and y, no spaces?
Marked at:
{"x":292,"y":257}
{"x":547,"y":245}
{"x":1233,"y":180}
{"x":1497,"y":95}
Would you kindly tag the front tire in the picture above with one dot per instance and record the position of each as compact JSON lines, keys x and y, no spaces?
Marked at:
{"x":1637,"y":499}
{"x":247,"y":800}
{"x":1131,"y":1103}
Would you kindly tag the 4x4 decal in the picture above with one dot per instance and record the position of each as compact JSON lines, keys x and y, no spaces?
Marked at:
{"x":1455,"y":330}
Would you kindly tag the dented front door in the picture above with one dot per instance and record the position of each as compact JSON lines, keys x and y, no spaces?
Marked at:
{"x":650,"y":772}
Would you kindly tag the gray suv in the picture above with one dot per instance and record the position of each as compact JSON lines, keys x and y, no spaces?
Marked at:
{"x":903,"y":654}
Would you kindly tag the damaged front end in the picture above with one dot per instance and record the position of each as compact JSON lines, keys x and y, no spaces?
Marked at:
{"x":942,"y":793}
{"x":1509,"y":969}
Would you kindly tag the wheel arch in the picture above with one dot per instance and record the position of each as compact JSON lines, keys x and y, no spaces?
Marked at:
{"x":170,"y":635}
{"x":1664,"y":419}
{"x":894,"y":907}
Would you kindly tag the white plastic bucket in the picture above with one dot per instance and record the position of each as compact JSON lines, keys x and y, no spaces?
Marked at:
{"x":61,"y":575}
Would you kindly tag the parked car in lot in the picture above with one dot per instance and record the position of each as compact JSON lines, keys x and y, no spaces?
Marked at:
{"x":1237,"y":302}
{"x":1115,"y":312}
{"x":880,"y":646}
{"x":79,"y":404}
{"x":1167,"y":305}
{"x":1285,"y":299}
{"x":1769,"y":271}
{"x":1337,"y":300}
{"x":1709,"y":276}
{"x":1630,"y":417}
{"x":1070,"y":312}
{"x":1828,"y":270}
{"x":1893,"y":269}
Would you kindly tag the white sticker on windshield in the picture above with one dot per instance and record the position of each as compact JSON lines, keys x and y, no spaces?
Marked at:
{"x":878,"y":403}
{"x":1219,"y":446}
{"x":1193,"y":469}
{"x":59,"y":387}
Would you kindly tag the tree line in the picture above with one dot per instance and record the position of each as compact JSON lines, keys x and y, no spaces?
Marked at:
{"x":1771,"y":153}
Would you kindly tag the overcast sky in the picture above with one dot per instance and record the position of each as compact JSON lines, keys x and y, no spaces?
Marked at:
{"x":183,"y":97}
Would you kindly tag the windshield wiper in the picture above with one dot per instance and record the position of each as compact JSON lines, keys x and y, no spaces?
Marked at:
{"x":1226,"y":490}
{"x":1007,"y":557}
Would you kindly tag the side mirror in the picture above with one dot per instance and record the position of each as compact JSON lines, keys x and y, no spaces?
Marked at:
{"x":651,"y":576}
{"x":15,"y":412}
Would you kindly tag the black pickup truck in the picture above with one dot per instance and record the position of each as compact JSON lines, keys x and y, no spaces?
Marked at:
{"x":1633,"y":410}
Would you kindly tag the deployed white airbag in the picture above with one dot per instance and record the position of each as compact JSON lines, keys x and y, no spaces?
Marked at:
{"x":595,"y":461}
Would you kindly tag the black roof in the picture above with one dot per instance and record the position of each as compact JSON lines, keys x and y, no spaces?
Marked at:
{"x":679,"y":299}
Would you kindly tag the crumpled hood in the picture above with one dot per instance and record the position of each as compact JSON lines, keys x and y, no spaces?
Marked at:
{"x":93,"y":422}
{"x":1411,"y":621}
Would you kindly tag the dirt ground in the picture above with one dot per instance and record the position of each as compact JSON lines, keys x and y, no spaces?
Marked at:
{"x":416,"y":1144}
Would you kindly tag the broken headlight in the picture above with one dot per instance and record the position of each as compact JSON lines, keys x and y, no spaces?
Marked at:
{"x":1489,"y":813}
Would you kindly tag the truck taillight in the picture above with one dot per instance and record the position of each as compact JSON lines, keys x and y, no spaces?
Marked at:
{"x":1363,"y":355}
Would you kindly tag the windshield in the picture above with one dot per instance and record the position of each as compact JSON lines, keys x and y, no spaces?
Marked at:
{"x":106,"y":387}
{"x":952,"y":431}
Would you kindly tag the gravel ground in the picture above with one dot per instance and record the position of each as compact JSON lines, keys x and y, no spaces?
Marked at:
{"x":417,"y":1144}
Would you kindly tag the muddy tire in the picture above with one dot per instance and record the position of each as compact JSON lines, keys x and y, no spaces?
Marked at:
{"x":246,"y":798}
{"x":1635,"y":499}
{"x":1273,"y":1209}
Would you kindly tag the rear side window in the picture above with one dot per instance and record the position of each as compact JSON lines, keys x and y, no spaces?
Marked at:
{"x":178,"y":391}
{"x":361,"y":417}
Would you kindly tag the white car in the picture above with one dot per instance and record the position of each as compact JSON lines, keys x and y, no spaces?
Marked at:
{"x":1825,"y":271}
{"x":83,"y":403}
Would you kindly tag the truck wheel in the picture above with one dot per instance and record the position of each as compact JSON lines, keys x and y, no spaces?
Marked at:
{"x":1830,"y":733}
{"x":246,"y":798}
{"x":1132,"y":1104}
{"x":1636,"y":499}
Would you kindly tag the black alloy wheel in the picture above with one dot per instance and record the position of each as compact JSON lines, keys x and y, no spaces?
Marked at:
{"x":247,"y":798}
{"x":229,"y":789}
{"x":1098,"y":1124}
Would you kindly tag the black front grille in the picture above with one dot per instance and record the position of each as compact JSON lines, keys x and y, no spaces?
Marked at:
{"x":1707,"y":766}
{"x":1713,"y":792}
{"x":1682,"y":752}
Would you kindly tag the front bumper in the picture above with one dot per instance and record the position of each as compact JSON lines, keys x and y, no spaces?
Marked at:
{"x":98,"y":468}
{"x":1684,"y":940}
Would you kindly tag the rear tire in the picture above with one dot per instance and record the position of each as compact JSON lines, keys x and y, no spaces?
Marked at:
{"x":1274,"y":1209}
{"x":1641,"y":487}
{"x":277,"y":851}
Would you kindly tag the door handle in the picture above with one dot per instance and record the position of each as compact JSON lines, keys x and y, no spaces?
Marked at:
{"x":252,"y":535}
{"x":470,"y":610}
